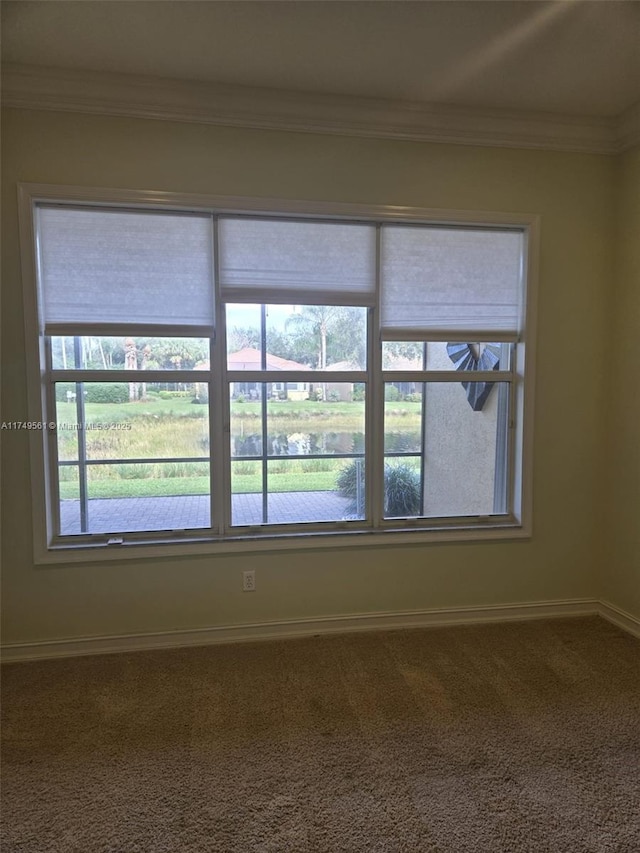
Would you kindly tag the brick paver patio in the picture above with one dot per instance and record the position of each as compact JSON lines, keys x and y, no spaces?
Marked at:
{"x":112,"y":515}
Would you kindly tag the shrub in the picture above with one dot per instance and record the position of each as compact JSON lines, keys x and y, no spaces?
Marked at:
{"x":350,"y":484}
{"x":358,"y":392}
{"x":134,"y":471}
{"x":171,"y":470}
{"x":401,"y":488}
{"x":117,"y":392}
{"x":413,"y":398}
{"x":107,"y":393}
{"x":391,"y":394}
{"x":246,"y":469}
{"x":312,"y":466}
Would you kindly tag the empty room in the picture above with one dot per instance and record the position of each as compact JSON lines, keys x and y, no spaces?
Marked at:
{"x":320,"y":458}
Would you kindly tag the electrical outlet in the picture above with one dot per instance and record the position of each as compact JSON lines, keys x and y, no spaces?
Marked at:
{"x":249,"y":581}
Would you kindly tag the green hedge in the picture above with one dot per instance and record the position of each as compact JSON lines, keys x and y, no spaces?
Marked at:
{"x":117,"y":392}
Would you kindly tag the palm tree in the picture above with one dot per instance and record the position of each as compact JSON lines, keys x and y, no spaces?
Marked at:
{"x":317,"y":320}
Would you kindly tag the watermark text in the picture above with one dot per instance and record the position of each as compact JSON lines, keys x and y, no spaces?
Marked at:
{"x":59,"y":426}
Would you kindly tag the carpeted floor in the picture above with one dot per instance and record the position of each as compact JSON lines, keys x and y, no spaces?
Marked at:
{"x":513,"y":737}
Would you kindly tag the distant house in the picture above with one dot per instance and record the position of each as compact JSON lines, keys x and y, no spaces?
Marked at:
{"x":342,"y":391}
{"x":251,"y":359}
{"x":402,"y":363}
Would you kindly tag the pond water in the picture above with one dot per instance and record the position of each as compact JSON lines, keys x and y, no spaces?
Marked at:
{"x":318,"y":443}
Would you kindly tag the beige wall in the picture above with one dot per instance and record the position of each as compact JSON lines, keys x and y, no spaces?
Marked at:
{"x":621,"y":559}
{"x":574,"y":196}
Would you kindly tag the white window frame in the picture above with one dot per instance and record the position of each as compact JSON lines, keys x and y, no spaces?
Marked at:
{"x":517,"y":524}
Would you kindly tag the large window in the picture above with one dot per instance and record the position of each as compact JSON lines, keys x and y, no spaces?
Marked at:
{"x":227,"y":378}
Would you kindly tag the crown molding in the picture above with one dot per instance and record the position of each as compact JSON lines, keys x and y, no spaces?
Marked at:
{"x":97,"y":93}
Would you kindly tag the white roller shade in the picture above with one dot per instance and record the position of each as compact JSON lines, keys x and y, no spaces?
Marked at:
{"x":305,"y":262}
{"x":125,"y":267}
{"x":441,"y":281}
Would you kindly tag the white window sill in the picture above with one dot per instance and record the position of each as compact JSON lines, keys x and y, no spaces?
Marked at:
{"x":274,"y":542}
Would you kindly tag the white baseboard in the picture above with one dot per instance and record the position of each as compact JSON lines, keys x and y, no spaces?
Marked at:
{"x":305,"y":627}
{"x":619,"y":617}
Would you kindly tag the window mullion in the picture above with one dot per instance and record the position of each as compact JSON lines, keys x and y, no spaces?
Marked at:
{"x":51,"y":414}
{"x":82,"y":441}
{"x":374,"y":463}
{"x":220,"y":486}
{"x":502,"y":477}
{"x":514,"y":390}
{"x":263,"y":416}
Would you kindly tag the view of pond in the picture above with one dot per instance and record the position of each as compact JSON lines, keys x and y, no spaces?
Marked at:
{"x":318,"y":443}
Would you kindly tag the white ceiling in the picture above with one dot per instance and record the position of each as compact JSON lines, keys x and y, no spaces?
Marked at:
{"x":569,"y":57}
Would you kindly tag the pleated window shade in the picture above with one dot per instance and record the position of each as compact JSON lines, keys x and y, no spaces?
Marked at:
{"x":440,"y":281}
{"x":125,"y":267}
{"x":315,"y":262}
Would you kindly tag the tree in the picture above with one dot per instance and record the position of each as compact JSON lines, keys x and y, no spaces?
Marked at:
{"x":317,"y":336}
{"x":408,"y":350}
{"x":167,"y":353}
{"x":316,"y":322}
{"x":242,"y":338}
{"x":131,"y":363}
{"x":348,"y":339}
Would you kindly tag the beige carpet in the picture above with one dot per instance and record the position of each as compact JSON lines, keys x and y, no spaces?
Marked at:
{"x":513,"y":737}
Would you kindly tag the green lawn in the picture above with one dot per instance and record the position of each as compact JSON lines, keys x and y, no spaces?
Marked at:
{"x":316,"y":481}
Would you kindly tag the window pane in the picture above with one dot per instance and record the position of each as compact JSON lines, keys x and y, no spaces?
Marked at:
{"x":67,"y":435}
{"x":403,"y":442}
{"x":137,"y":496}
{"x":463,"y":434}
{"x":111,"y":436}
{"x":244,"y":337}
{"x":131,"y":353}
{"x":298,"y":337}
{"x":69,"y":500}
{"x":280,"y":487}
{"x":403,"y":486}
{"x":465,"y":450}
{"x":246,"y":492}
{"x":166,"y":421}
{"x":403,"y":418}
{"x":322,"y":337}
{"x":403,"y":355}
{"x":314,"y":490}
{"x":298,"y":490}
